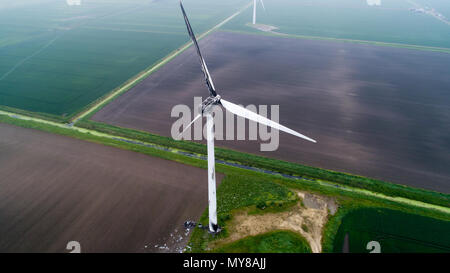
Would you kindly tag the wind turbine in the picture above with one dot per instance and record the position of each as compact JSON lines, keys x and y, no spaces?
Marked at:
{"x":214,"y":100}
{"x":254,"y":9}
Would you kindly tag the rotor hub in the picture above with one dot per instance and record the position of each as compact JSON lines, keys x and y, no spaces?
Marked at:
{"x":207,"y":104}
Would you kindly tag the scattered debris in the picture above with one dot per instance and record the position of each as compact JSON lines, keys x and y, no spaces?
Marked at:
{"x":189,"y":224}
{"x":176,"y":242}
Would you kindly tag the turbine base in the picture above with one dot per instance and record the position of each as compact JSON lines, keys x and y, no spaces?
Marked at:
{"x":215,"y":229}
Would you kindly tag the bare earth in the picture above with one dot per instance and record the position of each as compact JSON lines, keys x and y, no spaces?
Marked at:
{"x":375,"y":111}
{"x":313,"y":215}
{"x":55,"y":189}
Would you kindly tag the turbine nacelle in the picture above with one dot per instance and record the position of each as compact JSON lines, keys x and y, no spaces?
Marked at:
{"x":207,"y":104}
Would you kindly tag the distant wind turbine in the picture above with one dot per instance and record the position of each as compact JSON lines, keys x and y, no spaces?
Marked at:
{"x":254,"y":9}
{"x":214,"y":100}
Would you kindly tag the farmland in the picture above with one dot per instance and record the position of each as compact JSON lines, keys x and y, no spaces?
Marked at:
{"x":257,"y":195}
{"x":56,"y":59}
{"x":114,"y":179}
{"x":397,"y":232}
{"x":57,"y":189}
{"x":364,"y":116}
{"x":391,"y":22}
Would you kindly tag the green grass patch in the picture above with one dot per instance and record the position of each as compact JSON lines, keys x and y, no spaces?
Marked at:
{"x":271,"y":242}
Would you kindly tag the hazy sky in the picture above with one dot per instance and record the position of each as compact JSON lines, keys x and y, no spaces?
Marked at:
{"x":17,"y":3}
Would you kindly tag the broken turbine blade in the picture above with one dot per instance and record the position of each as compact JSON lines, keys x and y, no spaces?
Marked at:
{"x":262,"y":3}
{"x":208,"y":79}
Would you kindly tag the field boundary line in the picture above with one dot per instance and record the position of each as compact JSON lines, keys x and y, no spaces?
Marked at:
{"x":361,"y":42}
{"x":26,"y":59}
{"x":128,"y":85}
{"x":382,"y":196}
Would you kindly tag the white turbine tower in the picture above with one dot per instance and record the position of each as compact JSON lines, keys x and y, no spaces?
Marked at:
{"x":254,"y":9}
{"x":214,"y":100}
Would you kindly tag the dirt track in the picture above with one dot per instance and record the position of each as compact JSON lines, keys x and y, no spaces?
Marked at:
{"x":55,"y":189}
{"x":376,"y":111}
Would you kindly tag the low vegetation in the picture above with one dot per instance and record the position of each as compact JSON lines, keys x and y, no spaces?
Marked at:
{"x":240,"y":191}
{"x":271,"y":242}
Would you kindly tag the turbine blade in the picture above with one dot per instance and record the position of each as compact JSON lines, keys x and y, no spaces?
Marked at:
{"x":262,"y":3}
{"x":189,"y":125}
{"x":208,"y":79}
{"x":245,"y":113}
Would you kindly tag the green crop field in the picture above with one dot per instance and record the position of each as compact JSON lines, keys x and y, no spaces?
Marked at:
{"x":56,"y":59}
{"x":391,"y":22}
{"x":396,"y":231}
